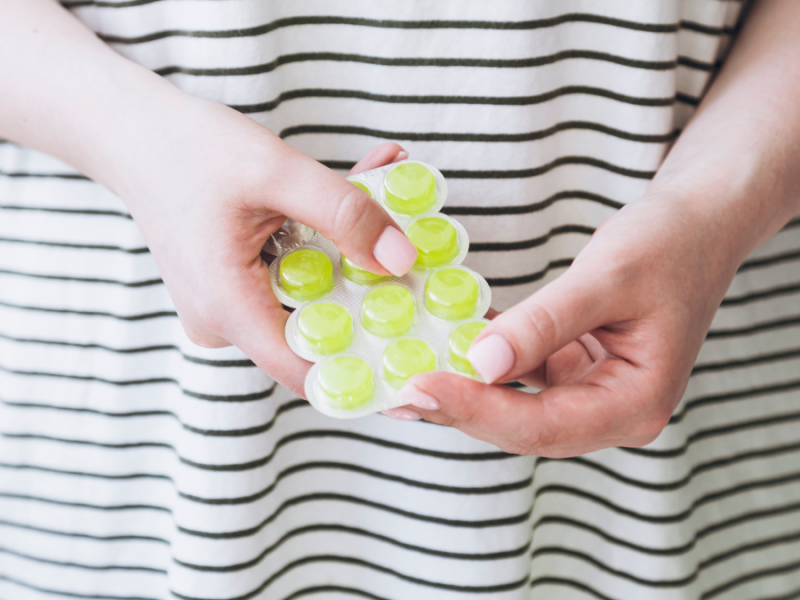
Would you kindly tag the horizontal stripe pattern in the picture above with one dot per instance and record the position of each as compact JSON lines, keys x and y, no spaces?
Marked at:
{"x":134,"y":464}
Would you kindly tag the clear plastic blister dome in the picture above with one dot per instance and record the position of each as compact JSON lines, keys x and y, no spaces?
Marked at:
{"x":366,"y":333}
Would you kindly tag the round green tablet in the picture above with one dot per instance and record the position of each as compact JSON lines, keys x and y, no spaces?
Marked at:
{"x":452,"y":294}
{"x":363,"y":188}
{"x":436,"y":240}
{"x":410,"y":189}
{"x":347,"y":382}
{"x":325,"y":328}
{"x":306,"y":274}
{"x":358,"y":275}
{"x":388,"y":311}
{"x":406,"y":357}
{"x":459,"y":342}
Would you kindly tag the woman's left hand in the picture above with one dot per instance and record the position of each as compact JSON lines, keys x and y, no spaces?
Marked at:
{"x":611,"y":342}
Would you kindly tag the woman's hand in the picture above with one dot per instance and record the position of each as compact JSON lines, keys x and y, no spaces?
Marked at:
{"x":613,"y":340}
{"x":209,"y":195}
{"x":206,"y":185}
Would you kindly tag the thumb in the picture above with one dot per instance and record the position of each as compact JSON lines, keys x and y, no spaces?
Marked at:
{"x":357,"y":224}
{"x":519,"y":340}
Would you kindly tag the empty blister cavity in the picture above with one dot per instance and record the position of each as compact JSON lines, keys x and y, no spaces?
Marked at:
{"x":358,"y":275}
{"x":388,"y":310}
{"x":405,"y":358}
{"x":438,"y":239}
{"x":459,"y":341}
{"x":346,"y":382}
{"x":305,"y":274}
{"x":452,"y":293}
{"x":324,"y":328}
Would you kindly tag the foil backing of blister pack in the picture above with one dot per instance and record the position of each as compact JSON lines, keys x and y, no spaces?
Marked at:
{"x":370,"y":348}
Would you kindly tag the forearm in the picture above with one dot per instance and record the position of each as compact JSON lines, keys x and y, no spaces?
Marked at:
{"x":735,"y":165}
{"x":65,"y":92}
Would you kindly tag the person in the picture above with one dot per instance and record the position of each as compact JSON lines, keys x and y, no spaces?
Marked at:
{"x":155,"y":442}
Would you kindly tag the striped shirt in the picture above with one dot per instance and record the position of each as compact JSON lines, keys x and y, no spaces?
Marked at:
{"x":136,"y":465}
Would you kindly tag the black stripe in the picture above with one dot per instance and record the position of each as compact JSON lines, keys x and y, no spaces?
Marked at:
{"x":534,"y":207}
{"x":560,"y":581}
{"x":55,"y":592}
{"x":514,"y":63}
{"x":531,"y":277}
{"x":311,"y":434}
{"x":531,"y":243}
{"x":325,"y":589}
{"x":350,"y":560}
{"x":687,"y":99}
{"x":768,"y":261}
{"x":692,"y":404}
{"x":89,"y":313}
{"x":257,"y":429}
{"x":755,"y":328}
{"x":289,"y":95}
{"x":521,"y":173}
{"x":109,"y":507}
{"x":677,"y":484}
{"x":327,"y":496}
{"x":704,"y":434}
{"x":781,"y":290}
{"x":70,"y":211}
{"x":72,"y":565}
{"x":96,"y":538}
{"x":152,"y":381}
{"x":329,"y":527}
{"x":668,"y":583}
{"x":537,"y":171}
{"x":280,"y":476}
{"x":17,"y":174}
{"x":686,"y":61}
{"x":564,"y":521}
{"x":128,"y":284}
{"x":476,"y":137}
{"x":396,"y":24}
{"x":143,"y":250}
{"x":144,"y":349}
{"x":747,"y":362}
{"x":752,"y":576}
{"x":706,"y":29}
{"x":755,"y":484}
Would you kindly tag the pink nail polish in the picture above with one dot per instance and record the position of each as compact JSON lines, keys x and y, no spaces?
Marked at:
{"x":402,"y":155}
{"x":395,"y":253}
{"x":402,"y":414}
{"x":418,"y":398}
{"x":492,"y":357}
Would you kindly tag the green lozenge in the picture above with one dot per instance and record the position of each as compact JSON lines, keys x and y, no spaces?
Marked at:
{"x":458,"y":344}
{"x":358,"y":275}
{"x":363,"y":188}
{"x":347,"y":381}
{"x":452,"y":294}
{"x":388,"y":311}
{"x":436,"y":240}
{"x":325,"y":328}
{"x":406,"y":357}
{"x":306,"y":274}
{"x":410,"y":189}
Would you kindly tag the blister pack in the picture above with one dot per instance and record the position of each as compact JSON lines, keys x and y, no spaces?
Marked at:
{"x":367,"y":333}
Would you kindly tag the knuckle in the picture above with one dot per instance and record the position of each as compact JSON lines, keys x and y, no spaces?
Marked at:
{"x":352,"y":213}
{"x":541,"y":323}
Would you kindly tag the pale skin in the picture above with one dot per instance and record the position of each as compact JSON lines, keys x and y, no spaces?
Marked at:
{"x":611,"y":342}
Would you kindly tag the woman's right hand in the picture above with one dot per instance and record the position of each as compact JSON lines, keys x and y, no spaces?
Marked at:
{"x":208,"y":186}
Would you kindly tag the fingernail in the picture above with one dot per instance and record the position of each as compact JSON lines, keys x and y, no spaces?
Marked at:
{"x":402,"y":155}
{"x":492,"y":357}
{"x":402,"y":414}
{"x":395,"y":253}
{"x":418,"y":398}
